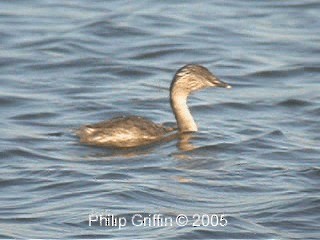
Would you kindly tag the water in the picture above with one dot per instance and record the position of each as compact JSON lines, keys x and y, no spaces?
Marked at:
{"x":255,"y":159}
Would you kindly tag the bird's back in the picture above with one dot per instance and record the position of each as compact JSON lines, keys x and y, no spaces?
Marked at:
{"x":129,"y":131}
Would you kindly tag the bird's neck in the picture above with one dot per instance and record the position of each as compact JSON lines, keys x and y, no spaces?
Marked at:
{"x":182,"y":113}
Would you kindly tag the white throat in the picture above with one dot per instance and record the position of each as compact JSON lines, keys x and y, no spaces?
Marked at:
{"x":182,"y":113}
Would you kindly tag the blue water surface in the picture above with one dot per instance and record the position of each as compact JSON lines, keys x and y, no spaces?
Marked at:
{"x":254,"y":161}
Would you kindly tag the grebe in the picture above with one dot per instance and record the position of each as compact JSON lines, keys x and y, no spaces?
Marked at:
{"x":133,"y":131}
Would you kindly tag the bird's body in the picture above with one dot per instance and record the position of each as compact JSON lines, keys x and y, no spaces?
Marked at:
{"x":130,"y":131}
{"x":133,"y":131}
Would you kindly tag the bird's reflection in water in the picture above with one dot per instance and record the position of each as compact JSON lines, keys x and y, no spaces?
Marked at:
{"x":185,"y":143}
